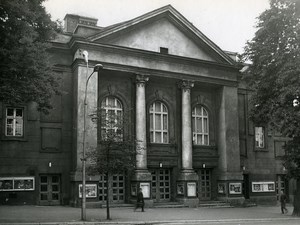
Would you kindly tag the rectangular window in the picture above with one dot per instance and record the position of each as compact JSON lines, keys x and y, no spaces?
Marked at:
{"x":259,"y":137}
{"x":14,"y":122}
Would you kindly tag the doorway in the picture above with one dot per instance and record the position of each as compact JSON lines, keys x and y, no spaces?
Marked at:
{"x":204,"y":184}
{"x":161,"y":191}
{"x":246,"y":187}
{"x":117,"y":193}
{"x":50,"y":189}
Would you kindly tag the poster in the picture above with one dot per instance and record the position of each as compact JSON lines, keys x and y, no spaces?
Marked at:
{"x":180,"y":189}
{"x":145,"y":189}
{"x":222,"y":188}
{"x":235,"y":188}
{"x":16,"y":183}
{"x":191,"y":189}
{"x":268,"y":186}
{"x":90,"y":190}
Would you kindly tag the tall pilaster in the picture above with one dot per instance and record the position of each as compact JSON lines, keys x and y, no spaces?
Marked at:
{"x":228,"y":145}
{"x":187,"y":177}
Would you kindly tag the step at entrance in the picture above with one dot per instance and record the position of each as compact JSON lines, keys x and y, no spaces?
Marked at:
{"x":214,"y":204}
{"x":168,"y":205}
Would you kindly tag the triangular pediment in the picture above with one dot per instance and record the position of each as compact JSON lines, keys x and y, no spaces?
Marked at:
{"x":163,"y":28}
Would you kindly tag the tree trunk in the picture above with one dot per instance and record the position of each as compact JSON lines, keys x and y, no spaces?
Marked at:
{"x":107,"y":196}
{"x":296,"y":211}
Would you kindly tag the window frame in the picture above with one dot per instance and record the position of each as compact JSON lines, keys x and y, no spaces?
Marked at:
{"x":257,"y":147}
{"x":14,"y":119}
{"x":115,"y":109}
{"x":194,"y":126}
{"x":152,"y":131}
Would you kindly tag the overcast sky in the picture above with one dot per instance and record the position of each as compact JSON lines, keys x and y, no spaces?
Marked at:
{"x":228,"y":23}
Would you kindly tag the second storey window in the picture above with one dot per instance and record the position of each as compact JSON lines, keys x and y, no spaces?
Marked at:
{"x":111,"y":118}
{"x":200,"y":126}
{"x":14,"y":122}
{"x":259,"y":137}
{"x":158,"y":123}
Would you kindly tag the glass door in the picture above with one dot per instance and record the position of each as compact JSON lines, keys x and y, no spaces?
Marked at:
{"x":50,"y":190}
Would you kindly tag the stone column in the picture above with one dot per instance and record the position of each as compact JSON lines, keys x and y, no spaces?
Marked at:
{"x":141,"y":122}
{"x":187,"y":177}
{"x":186,"y":132}
{"x":141,"y":177}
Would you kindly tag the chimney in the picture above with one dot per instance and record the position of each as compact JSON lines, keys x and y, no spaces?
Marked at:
{"x":72,"y":20}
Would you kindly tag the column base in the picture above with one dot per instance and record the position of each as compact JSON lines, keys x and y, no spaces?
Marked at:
{"x":187,"y":175}
{"x":187,"y":188}
{"x":141,"y":175}
{"x":141,"y":179}
{"x":230,"y":186}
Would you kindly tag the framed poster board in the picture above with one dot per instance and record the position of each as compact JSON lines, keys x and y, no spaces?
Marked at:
{"x":133,"y":190}
{"x":145,"y":189}
{"x":222,"y":188}
{"x":235,"y":188}
{"x":268,"y":186}
{"x":180,"y":189}
{"x":90,"y":190}
{"x":191,"y":189}
{"x":17,"y":184}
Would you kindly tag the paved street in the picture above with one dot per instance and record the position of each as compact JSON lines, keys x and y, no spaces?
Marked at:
{"x":171,"y":216}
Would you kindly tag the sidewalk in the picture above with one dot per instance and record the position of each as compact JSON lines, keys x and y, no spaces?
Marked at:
{"x":68,"y":215}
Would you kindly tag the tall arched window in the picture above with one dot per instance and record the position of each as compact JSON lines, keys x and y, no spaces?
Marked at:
{"x":111,"y":118}
{"x":158,"y":123}
{"x":200,"y":125}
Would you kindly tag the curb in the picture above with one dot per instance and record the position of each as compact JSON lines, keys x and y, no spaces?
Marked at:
{"x":166,"y":222}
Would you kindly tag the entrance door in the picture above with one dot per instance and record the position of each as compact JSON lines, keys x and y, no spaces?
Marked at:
{"x":50,"y":190}
{"x":246,"y":189}
{"x":117,"y":188}
{"x":161,"y":185}
{"x":204,"y":184}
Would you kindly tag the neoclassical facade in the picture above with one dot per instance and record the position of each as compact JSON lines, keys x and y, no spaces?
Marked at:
{"x":185,"y":104}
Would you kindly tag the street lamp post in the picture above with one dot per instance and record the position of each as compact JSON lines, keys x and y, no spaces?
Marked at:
{"x":96,"y":69}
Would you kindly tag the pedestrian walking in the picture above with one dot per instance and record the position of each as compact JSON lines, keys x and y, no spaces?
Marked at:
{"x":283,"y":202}
{"x":140,"y":200}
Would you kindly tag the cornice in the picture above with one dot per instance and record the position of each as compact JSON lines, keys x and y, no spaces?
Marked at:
{"x":158,"y":73}
{"x":79,"y":43}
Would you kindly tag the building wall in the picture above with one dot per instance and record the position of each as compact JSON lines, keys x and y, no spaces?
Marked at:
{"x":44,"y":149}
{"x":260,"y":164}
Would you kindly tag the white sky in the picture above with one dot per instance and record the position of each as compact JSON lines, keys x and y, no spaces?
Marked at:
{"x":228,"y":23}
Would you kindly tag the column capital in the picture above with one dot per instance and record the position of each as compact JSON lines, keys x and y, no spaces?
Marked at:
{"x":141,"y":79}
{"x":186,"y":85}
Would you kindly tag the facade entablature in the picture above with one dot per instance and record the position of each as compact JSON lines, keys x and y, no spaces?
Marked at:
{"x":156,"y":64}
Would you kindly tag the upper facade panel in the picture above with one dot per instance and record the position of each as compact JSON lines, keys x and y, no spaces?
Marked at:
{"x":160,"y":35}
{"x":163,"y":30}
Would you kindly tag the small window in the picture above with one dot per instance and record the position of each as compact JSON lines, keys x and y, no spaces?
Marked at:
{"x":259,"y":137}
{"x":158,"y":123}
{"x":14,"y":122}
{"x":164,"y":50}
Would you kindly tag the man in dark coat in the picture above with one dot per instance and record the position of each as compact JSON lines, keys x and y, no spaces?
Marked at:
{"x":140,"y":200}
{"x":282,"y":203}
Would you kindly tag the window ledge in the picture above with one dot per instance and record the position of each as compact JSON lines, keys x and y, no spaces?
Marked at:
{"x":204,"y":146}
{"x":162,"y":144}
{"x":8,"y":138}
